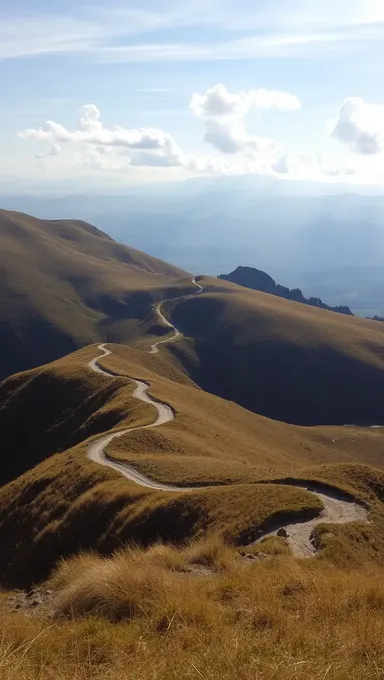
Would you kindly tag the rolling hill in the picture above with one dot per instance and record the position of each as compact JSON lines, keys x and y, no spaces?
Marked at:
{"x":282,"y":359}
{"x":244,"y":470}
{"x":150,"y":579}
{"x":55,"y":501}
{"x":255,"y":279}
{"x":65,"y":284}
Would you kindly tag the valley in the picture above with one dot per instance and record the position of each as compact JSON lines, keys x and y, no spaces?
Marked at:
{"x":205,"y":454}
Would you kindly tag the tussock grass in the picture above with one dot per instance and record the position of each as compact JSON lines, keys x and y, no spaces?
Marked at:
{"x":273,"y":546}
{"x":212,"y":553}
{"x":137,"y":582}
{"x":134,"y":616}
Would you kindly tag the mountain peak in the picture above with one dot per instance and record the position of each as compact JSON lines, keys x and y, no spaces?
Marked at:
{"x":255,"y":279}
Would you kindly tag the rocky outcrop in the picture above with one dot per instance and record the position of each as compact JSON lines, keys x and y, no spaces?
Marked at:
{"x":249,"y":277}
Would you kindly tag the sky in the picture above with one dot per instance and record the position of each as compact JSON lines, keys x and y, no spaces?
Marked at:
{"x":108,"y":94}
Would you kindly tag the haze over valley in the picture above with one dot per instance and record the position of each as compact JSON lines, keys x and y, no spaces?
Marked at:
{"x":330,"y":246}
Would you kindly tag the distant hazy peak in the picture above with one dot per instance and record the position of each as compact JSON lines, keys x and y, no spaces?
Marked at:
{"x":249,"y":277}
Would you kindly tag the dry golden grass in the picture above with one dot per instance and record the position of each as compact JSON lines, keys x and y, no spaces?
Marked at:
{"x":273,"y":546}
{"x":67,"y":503}
{"x":280,"y":358}
{"x":54,"y":407}
{"x":66,"y":284}
{"x":142,"y":616}
{"x":214,"y":439}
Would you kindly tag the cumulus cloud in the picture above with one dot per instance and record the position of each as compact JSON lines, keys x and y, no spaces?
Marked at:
{"x":217,"y":102}
{"x":224,"y":112}
{"x":360,"y":126}
{"x":89,"y":118}
{"x":144,"y":146}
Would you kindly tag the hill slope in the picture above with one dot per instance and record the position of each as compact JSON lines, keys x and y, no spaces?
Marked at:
{"x":249,"y":277}
{"x":67,"y":502}
{"x":64,"y":284}
{"x":288,"y":361}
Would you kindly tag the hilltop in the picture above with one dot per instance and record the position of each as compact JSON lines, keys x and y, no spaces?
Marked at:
{"x":282,"y":359}
{"x":65,"y":284}
{"x":56,"y":501}
{"x":249,"y":277}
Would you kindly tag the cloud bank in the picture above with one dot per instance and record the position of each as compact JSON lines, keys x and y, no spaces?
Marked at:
{"x":223,"y":115}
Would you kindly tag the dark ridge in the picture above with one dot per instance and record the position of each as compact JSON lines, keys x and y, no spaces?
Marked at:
{"x":249,"y":277}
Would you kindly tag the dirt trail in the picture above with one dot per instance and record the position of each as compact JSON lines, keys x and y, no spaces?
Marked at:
{"x":97,"y":450}
{"x":176,"y":332}
{"x":337,"y":509}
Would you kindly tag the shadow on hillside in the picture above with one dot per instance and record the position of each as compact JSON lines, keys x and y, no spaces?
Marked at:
{"x":286,"y":380}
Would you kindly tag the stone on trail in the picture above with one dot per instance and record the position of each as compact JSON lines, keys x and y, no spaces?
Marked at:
{"x":282,"y":533}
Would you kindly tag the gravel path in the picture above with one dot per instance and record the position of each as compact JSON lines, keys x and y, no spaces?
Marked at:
{"x":337,"y":509}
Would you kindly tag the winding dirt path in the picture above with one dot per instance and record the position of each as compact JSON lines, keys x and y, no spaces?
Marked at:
{"x":337,"y":509}
{"x":176,"y":332}
{"x":97,"y":450}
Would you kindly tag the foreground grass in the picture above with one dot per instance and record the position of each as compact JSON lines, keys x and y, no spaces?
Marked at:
{"x":200,"y":612}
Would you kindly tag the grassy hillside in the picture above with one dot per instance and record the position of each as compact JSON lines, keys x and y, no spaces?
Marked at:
{"x":199,"y":612}
{"x":249,"y":277}
{"x":67,"y":503}
{"x":279,"y":358}
{"x":65,"y":284}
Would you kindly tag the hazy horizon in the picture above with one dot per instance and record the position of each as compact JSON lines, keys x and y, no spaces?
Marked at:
{"x":331,"y":246}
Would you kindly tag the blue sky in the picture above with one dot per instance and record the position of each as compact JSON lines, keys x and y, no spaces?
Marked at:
{"x":161,"y":90}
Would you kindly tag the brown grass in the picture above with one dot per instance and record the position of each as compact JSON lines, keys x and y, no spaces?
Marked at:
{"x":282,"y":359}
{"x":212,"y":438}
{"x":66,"y":503}
{"x":135,"y":616}
{"x":66,"y":284}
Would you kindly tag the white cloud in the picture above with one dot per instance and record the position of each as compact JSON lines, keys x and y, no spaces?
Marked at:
{"x":217,"y":102}
{"x":224,"y":112}
{"x":118,"y":149}
{"x":144,"y":146}
{"x":360,"y":126}
{"x":89,"y":118}
{"x":55,"y":150}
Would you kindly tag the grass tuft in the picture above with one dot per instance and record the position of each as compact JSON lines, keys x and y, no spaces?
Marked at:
{"x":146,"y":613}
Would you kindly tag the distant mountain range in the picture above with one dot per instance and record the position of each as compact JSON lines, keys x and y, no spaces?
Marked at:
{"x":249,"y":277}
